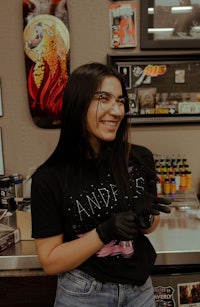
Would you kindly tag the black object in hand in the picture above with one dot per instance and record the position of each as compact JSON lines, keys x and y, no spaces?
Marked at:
{"x":150,"y":204}
{"x":122,"y":226}
{"x":147,"y":206}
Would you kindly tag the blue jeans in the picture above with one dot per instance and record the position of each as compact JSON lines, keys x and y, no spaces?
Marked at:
{"x":78,"y":289}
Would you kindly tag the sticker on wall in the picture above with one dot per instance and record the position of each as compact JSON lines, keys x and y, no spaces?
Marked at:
{"x":180,"y":76}
{"x":125,"y":71}
{"x":47,"y":50}
{"x":164,"y":296}
{"x":189,"y":294}
{"x":122,"y":25}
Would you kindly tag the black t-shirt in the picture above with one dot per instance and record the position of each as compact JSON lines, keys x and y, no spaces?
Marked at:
{"x":57,"y":209}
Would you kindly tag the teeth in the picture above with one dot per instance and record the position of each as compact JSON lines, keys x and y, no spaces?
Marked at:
{"x":109,"y":123}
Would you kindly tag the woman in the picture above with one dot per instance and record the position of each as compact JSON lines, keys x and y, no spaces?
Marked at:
{"x":94,"y":199}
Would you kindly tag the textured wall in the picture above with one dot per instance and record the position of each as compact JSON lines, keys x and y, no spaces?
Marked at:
{"x":25,"y":145}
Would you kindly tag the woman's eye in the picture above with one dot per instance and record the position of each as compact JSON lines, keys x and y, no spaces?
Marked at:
{"x":104,"y":97}
{"x":121,"y":100}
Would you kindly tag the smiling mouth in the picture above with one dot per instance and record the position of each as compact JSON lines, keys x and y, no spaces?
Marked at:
{"x":109,"y":123}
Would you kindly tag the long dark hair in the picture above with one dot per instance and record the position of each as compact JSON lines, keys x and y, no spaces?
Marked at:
{"x":74,"y":138}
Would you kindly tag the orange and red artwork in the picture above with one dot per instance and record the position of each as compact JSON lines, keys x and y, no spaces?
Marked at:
{"x":122,"y":25}
{"x":46,"y":46}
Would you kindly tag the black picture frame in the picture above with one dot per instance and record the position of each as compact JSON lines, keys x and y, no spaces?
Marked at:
{"x":154,"y":15}
{"x":1,"y":155}
{"x":1,"y":108}
{"x":179,"y":87}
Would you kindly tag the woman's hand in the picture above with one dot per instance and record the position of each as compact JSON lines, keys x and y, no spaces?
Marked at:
{"x":122,"y":226}
{"x":149,"y":204}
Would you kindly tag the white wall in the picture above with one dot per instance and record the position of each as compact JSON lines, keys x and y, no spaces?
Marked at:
{"x":24,"y":144}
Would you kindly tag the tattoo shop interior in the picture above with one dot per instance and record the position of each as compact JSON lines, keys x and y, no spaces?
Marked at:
{"x":155,"y":45}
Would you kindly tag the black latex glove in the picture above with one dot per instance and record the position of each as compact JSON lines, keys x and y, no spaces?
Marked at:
{"x":122,"y":226}
{"x":147,"y":206}
{"x":150,"y":204}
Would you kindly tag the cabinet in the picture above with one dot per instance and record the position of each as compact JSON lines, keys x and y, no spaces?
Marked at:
{"x":27,"y":289}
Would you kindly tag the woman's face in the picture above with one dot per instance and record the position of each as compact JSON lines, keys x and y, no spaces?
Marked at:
{"x":105,"y":113}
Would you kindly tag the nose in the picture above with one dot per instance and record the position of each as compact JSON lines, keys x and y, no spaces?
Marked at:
{"x":117,"y":109}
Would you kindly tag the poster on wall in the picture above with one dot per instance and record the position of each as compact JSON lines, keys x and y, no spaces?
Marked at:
{"x":47,"y":50}
{"x":122,"y":19}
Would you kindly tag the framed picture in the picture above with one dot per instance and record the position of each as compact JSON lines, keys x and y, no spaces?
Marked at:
{"x":163,"y":89}
{"x":173,"y":24}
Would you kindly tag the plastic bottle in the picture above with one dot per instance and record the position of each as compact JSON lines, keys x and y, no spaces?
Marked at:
{"x":170,"y":175}
{"x":167,"y":162}
{"x":186,"y":166}
{"x":179,"y":160}
{"x":173,"y":161}
{"x":18,"y":185}
{"x":173,"y":186}
{"x":162,"y":161}
{"x":158,"y":187}
{"x":181,"y":168}
{"x":166,"y":188}
{"x":184,"y":161}
{"x":183,"y":181}
{"x":163,"y":177}
{"x":177,"y":180}
{"x":188,"y":180}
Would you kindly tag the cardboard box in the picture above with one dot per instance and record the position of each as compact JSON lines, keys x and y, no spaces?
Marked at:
{"x":8,"y":238}
{"x":24,"y":224}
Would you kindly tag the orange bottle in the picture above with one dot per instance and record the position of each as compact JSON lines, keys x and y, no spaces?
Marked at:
{"x":188,"y":180}
{"x":183,"y":182}
{"x":166,"y":187}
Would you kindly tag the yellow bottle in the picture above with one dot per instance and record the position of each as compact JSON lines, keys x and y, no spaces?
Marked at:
{"x":166,"y":188}
{"x":188,"y":180}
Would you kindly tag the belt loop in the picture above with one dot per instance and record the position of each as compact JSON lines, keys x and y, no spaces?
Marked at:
{"x":98,"y":285}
